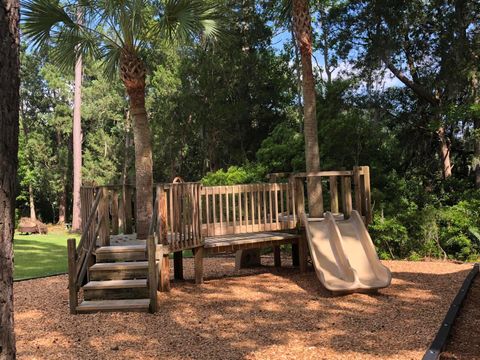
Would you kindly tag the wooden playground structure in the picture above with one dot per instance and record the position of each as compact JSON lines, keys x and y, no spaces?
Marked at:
{"x":208,"y":220}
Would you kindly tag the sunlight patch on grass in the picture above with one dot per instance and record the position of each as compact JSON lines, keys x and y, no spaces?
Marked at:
{"x":40,"y":255}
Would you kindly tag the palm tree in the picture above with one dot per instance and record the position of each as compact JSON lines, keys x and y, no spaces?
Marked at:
{"x":9,"y":119}
{"x":118,"y":31}
{"x":302,"y":28}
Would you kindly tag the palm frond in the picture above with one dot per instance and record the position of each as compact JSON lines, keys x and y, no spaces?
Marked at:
{"x":183,"y":20}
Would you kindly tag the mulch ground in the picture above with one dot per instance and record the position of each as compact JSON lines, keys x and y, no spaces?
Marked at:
{"x":254,"y":314}
{"x":464,"y":342}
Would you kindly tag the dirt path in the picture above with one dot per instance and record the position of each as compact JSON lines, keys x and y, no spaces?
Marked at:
{"x":258,"y":314}
{"x":464,"y":342}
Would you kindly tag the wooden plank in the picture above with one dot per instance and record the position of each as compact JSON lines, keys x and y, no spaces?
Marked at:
{"x":333,"y":194}
{"x":103,"y":214}
{"x":247,"y":227}
{"x":303,"y":253}
{"x":347,"y":196}
{"x":234,"y":209}
{"x":264,"y":207}
{"x":152,"y":274}
{"x":207,"y":209}
{"x":172,"y":219}
{"x":240,"y":210}
{"x":252,"y":207}
{"x":357,"y":190}
{"x":220,"y":194}
{"x":165,"y":273}
{"x":368,"y":195}
{"x":127,"y":204}
{"x":114,"y":210}
{"x":275,"y":191}
{"x":198,"y":265}
{"x":72,"y":276}
{"x":323,"y":174}
{"x":227,"y":205}
{"x":163,"y":216}
{"x":270,"y":208}
{"x":259,"y":207}
{"x":214,"y":209}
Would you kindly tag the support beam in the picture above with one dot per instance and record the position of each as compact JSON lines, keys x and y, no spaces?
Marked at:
{"x":72,"y":275}
{"x":303,"y":252}
{"x":152,"y":273}
{"x":165,"y":274}
{"x":277,"y":259}
{"x":178,"y":265}
{"x":295,"y":255}
{"x":199,"y":265}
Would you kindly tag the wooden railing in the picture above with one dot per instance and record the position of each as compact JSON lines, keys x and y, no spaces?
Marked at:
{"x":95,"y":229}
{"x":247,"y":208}
{"x":347,"y":190}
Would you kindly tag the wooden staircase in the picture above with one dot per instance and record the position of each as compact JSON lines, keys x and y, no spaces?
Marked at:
{"x":117,"y":281}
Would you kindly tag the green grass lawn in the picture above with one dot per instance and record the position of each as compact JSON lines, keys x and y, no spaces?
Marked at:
{"x":40,"y":255}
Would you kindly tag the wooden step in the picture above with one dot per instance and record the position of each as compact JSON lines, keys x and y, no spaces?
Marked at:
{"x":121,"y":253}
{"x":119,"y":270}
{"x":115,"y":289}
{"x":138,"y":305}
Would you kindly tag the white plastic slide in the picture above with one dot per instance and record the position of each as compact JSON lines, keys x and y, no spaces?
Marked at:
{"x":343,"y":254}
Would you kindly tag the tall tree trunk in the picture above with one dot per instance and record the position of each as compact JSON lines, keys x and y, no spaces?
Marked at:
{"x":33,"y":215}
{"x":62,"y":205}
{"x":77,"y":142}
{"x":444,"y":152}
{"x":9,"y":127}
{"x":302,"y":28}
{"x":133,"y":72}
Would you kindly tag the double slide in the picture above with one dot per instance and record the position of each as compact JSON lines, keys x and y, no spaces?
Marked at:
{"x":343,"y":254}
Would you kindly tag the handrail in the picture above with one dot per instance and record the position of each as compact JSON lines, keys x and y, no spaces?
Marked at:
{"x":83,"y":270}
{"x":90,"y":218}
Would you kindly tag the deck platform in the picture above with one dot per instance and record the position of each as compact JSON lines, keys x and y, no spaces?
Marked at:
{"x":225,"y":243}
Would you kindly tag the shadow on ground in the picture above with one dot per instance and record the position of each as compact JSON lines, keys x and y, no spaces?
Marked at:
{"x":274,"y":314}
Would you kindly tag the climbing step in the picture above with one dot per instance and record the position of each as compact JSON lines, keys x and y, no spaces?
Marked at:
{"x":115,"y":289}
{"x":121,"y":253}
{"x":139,"y":305}
{"x":119,"y":271}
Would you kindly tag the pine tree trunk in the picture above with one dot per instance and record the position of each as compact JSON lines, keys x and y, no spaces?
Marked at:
{"x":9,"y":127}
{"x":444,"y":151}
{"x":62,"y":206}
{"x":476,"y":161}
{"x":77,"y":143}
{"x":302,"y":27}
{"x":133,"y":73}
{"x":33,"y":215}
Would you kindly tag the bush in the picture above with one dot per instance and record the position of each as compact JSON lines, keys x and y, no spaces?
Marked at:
{"x":250,"y":173}
{"x":390,"y":237}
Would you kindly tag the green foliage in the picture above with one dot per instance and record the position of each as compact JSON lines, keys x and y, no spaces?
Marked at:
{"x":390,"y":236}
{"x":250,"y":173}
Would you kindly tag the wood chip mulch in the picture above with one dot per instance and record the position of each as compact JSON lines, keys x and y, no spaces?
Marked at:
{"x":254,"y":314}
{"x":464,"y":341}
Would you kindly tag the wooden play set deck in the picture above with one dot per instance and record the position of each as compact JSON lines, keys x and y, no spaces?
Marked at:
{"x":117,"y":272}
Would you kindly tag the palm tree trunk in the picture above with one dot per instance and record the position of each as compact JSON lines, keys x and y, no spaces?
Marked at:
{"x":9,"y":125}
{"x":77,"y":142}
{"x":143,"y":165}
{"x":302,"y":27}
{"x":133,"y":73}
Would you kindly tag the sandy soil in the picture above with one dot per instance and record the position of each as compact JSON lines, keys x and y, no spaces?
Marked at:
{"x":256,"y":314}
{"x":464,"y":342}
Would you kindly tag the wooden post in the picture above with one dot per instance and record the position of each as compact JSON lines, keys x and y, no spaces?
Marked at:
{"x":367,"y":195}
{"x":162,"y":216}
{"x":277,"y":259}
{"x":347,"y":196}
{"x":103,"y":216}
{"x":357,"y":190}
{"x":127,"y":209}
{"x":178,"y":265}
{"x":299,"y":197}
{"x":303,"y":252}
{"x":72,"y":275}
{"x":152,"y":273}
{"x":333,"y":194}
{"x":114,"y":209}
{"x":199,"y":265}
{"x":165,"y":273}
{"x":295,"y":255}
